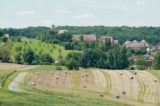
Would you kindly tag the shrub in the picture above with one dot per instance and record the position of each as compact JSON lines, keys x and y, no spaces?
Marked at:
{"x":58,"y":68}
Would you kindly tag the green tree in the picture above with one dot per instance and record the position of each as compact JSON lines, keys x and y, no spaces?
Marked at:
{"x":46,"y":59}
{"x":18,"y":58}
{"x":72,"y":60}
{"x":72,"y":64}
{"x":4,"y":54}
{"x":1,"y":32}
{"x":157,"y":60}
{"x":4,"y":39}
{"x":28,"y":56}
{"x":117,"y":58}
{"x":141,"y":63}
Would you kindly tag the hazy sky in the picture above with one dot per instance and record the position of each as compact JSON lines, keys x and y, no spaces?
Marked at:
{"x":23,"y":13}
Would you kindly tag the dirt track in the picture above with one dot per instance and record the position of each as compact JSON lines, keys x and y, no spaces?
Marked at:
{"x":7,"y":66}
{"x":15,"y":84}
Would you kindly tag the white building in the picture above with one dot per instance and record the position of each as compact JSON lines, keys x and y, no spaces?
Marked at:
{"x":6,"y":35}
{"x":62,"y":31}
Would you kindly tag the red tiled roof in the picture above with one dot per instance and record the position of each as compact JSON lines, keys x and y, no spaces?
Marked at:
{"x":136,"y":44}
{"x":89,"y":38}
{"x":104,"y":38}
{"x":76,"y":37}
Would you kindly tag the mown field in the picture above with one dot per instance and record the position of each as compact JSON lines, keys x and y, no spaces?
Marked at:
{"x":88,"y":87}
{"x":44,"y":98}
{"x":140,"y":88}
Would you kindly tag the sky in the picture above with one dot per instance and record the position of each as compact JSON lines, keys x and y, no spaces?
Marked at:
{"x":24,"y":13}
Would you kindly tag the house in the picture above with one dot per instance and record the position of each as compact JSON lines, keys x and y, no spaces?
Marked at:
{"x":62,"y":31}
{"x":89,"y":37}
{"x":6,"y":35}
{"x":106,"y":38}
{"x":115,"y":41}
{"x":76,"y":37}
{"x":132,"y":58}
{"x":157,"y":47}
{"x":136,"y":44}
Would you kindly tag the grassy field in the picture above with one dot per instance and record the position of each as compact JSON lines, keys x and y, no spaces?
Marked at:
{"x":155,"y":73}
{"x":4,"y":74}
{"x":8,"y":98}
{"x":39,"y":47}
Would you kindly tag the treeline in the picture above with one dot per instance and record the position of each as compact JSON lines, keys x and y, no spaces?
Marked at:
{"x":27,"y":56}
{"x":31,"y":32}
{"x":123,"y":33}
{"x":114,"y":58}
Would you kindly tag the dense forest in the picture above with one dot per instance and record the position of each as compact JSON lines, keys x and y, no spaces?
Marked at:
{"x":123,"y":33}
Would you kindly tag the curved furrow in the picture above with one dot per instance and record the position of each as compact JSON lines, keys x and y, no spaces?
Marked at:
{"x":154,"y":86}
{"x":117,"y":86}
{"x":108,"y":83}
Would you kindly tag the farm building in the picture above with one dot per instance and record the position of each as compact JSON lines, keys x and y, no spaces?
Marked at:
{"x":76,"y":37}
{"x":136,"y":44}
{"x":6,"y":35}
{"x":62,"y":31}
{"x":141,"y":45}
{"x":90,"y":37}
{"x":106,"y":38}
{"x":87,"y":37}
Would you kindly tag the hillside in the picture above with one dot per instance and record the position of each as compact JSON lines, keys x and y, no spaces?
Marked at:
{"x":42,"y":98}
{"x":39,"y":47}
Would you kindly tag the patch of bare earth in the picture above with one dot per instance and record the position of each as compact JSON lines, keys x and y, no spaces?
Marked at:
{"x":7,"y":66}
{"x":87,"y":81}
{"x":53,"y":81}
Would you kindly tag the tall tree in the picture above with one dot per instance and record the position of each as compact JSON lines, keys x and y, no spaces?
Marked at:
{"x":28,"y":56}
{"x":72,"y":60}
{"x":157,"y":60}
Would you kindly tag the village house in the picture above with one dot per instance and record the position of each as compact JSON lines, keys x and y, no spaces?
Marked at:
{"x":90,"y":37}
{"x":157,"y":47}
{"x":106,"y":38}
{"x":136,"y":44}
{"x":87,"y":37}
{"x":6,"y":35}
{"x":76,"y":37}
{"x":62,"y":31}
{"x":141,"y":45}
